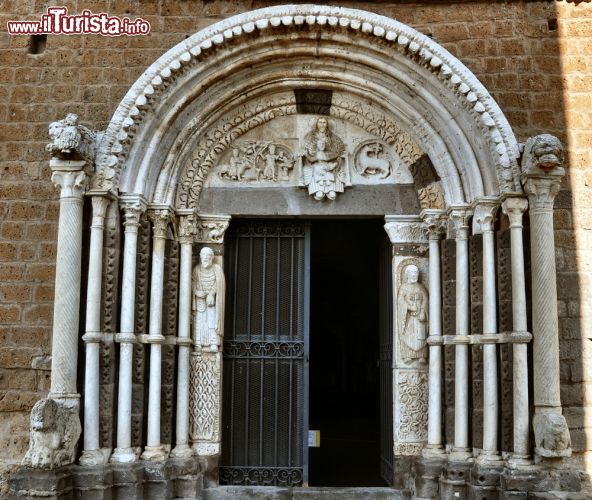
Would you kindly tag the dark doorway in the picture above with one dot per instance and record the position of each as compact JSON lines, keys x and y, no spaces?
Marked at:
{"x":344,"y":351}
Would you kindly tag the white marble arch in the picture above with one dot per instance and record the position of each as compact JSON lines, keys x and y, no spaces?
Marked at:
{"x":423,"y":87}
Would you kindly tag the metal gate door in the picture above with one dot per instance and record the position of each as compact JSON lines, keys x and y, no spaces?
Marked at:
{"x":386,"y":365}
{"x":264,"y":412}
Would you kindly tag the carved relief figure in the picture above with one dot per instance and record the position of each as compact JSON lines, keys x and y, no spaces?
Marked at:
{"x":372,"y":160}
{"x":412,"y":308}
{"x":323,"y":170}
{"x":257,"y":161}
{"x":208,"y":302}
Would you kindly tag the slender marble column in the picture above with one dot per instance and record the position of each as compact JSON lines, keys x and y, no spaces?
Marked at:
{"x":91,"y":454}
{"x":186,"y":231}
{"x":460,"y":217}
{"x":133,"y":207}
{"x":70,"y":177}
{"x":541,"y":178}
{"x":154,"y":449}
{"x":435,"y":221}
{"x":514,"y":208}
{"x":483,"y":222}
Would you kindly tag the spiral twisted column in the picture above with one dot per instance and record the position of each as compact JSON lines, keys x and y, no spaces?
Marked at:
{"x":133,"y":207}
{"x":542,"y":184}
{"x":91,"y":454}
{"x":71,"y":178}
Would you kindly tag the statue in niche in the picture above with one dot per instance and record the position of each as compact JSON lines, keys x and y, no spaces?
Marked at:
{"x":323,"y":171}
{"x":412,"y":309}
{"x":207,"y":304}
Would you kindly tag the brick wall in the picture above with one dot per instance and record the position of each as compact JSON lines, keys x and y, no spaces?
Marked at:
{"x":535,"y":58}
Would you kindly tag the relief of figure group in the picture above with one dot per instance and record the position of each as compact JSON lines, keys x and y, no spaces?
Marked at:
{"x":258,"y":161}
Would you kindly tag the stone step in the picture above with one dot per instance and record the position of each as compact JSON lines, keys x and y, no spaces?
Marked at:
{"x":276,"y":493}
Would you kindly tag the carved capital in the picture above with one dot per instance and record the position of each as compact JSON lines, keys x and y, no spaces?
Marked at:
{"x":405,"y":229}
{"x":435,"y":222}
{"x":460,"y":215}
{"x":160,"y":218}
{"x":99,"y":209}
{"x":133,"y":207}
{"x":187,"y":227}
{"x":211,"y":228}
{"x":485,"y":210}
{"x":542,"y":189}
{"x":514,"y":208}
{"x":70,"y":177}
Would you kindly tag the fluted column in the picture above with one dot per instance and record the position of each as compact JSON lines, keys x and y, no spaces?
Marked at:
{"x":154,"y":449}
{"x":541,"y":178}
{"x":435,"y":220}
{"x":186,"y":232}
{"x":91,"y":454}
{"x":133,"y":207}
{"x":514,"y":208}
{"x":70,"y":177}
{"x":483,"y":221}
{"x":460,"y":216}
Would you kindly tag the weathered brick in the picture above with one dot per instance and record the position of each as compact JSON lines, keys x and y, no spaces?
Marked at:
{"x":17,"y":357}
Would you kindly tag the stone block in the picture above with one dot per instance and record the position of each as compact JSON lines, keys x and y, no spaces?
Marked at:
{"x":128,"y":481}
{"x":50,"y":484}
{"x":453,"y":484}
{"x":157,"y":480}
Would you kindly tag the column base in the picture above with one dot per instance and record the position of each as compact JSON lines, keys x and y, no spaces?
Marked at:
{"x":492,"y":458}
{"x":519,"y":462}
{"x":124,"y":456}
{"x":551,"y":434}
{"x":461,"y":455}
{"x":433,"y":451}
{"x":427,"y":473}
{"x":154,"y":453}
{"x":94,"y":457}
{"x":182,"y":451}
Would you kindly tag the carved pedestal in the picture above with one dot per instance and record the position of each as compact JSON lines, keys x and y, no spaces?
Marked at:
{"x":410,"y":318}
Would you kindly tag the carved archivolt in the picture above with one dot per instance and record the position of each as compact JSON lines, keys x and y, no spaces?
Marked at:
{"x":453,"y":76}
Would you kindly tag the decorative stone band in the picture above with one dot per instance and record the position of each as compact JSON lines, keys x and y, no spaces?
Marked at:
{"x":480,"y":339}
{"x":146,"y":91}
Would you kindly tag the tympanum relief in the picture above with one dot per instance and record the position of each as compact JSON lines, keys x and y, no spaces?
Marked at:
{"x":323,"y":155}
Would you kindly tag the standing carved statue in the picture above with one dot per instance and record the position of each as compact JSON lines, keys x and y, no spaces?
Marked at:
{"x":323,"y":170}
{"x":412,"y":308}
{"x":207,"y":302}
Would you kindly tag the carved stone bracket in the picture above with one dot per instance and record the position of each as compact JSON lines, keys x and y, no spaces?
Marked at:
{"x":211,"y":228}
{"x":71,"y":141}
{"x":405,"y":229}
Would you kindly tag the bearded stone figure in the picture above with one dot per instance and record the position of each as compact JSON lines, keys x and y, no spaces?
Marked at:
{"x":207,"y":302}
{"x":323,"y":171}
{"x":412,"y":308}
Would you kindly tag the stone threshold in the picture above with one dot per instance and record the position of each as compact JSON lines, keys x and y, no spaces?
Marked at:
{"x":322,"y":493}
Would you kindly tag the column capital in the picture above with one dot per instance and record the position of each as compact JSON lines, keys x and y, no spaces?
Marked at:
{"x":435,"y":222}
{"x":186,"y":225}
{"x":514,"y":207}
{"x":542,"y":189}
{"x":459,"y":215}
{"x":405,"y":229}
{"x":99,"y":209}
{"x":211,"y":228}
{"x":133,"y":207}
{"x":484,"y":212}
{"x":160,"y":216}
{"x":70,"y":177}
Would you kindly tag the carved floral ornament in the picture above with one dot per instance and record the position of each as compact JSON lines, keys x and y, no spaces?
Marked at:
{"x":196,"y":51}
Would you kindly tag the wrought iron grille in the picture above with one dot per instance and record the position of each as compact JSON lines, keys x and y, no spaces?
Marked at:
{"x":263,"y":412}
{"x":386,"y":365}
